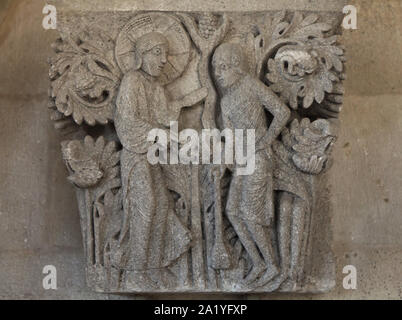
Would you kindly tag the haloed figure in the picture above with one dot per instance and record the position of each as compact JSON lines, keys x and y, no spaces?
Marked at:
{"x":250,"y":207}
{"x":152,"y":235}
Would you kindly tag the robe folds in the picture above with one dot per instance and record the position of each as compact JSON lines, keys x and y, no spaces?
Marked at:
{"x":152,"y":235}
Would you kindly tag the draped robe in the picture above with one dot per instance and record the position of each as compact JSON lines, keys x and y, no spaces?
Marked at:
{"x":152,"y":235}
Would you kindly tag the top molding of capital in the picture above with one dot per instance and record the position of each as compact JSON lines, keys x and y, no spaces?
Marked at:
{"x":201,"y":5}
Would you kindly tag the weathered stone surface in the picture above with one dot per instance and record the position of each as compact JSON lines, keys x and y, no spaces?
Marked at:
{"x":159,"y":226}
{"x":372,"y":252}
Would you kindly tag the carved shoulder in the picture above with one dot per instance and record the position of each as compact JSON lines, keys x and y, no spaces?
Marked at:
{"x":129,"y":89}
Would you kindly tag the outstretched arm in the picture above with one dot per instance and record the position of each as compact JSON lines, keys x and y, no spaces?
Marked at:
{"x":188,"y":100}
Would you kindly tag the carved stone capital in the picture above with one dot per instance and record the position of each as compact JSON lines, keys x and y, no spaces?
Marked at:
{"x":199,"y":227}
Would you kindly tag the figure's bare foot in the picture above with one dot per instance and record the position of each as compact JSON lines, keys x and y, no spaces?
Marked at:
{"x":289,"y":285}
{"x":272,"y":272}
{"x":273,"y":284}
{"x":255,"y":272}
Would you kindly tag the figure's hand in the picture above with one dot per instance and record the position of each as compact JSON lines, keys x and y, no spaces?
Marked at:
{"x":194,"y":97}
{"x":266,"y":145}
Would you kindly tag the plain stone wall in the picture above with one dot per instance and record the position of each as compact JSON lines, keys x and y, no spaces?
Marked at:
{"x":39,"y":222}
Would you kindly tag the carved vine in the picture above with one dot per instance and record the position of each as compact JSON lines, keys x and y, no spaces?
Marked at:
{"x":206,"y":35}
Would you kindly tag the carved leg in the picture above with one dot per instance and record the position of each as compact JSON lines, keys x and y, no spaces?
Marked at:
{"x":285,"y":206}
{"x":284,"y":225}
{"x":249,"y":244}
{"x":242,"y":231}
{"x":299,"y":212}
{"x":264,"y":243}
{"x":285,"y":201}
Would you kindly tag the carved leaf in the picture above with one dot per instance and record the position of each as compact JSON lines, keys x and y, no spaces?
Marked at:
{"x":91,"y":162}
{"x":310,"y":144}
{"x":303,"y":74}
{"x":84,"y":77}
{"x":303,"y":64}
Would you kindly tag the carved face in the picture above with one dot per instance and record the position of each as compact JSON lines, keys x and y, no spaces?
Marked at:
{"x":227,"y":66}
{"x":154,"y":60}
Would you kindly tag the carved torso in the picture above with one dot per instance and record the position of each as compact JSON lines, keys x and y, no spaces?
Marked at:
{"x":242,"y":108}
{"x":152,"y":104}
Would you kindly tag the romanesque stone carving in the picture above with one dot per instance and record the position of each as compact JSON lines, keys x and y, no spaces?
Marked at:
{"x":154,"y":227}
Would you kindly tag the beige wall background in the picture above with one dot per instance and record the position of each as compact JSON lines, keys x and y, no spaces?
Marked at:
{"x":38,"y":215}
